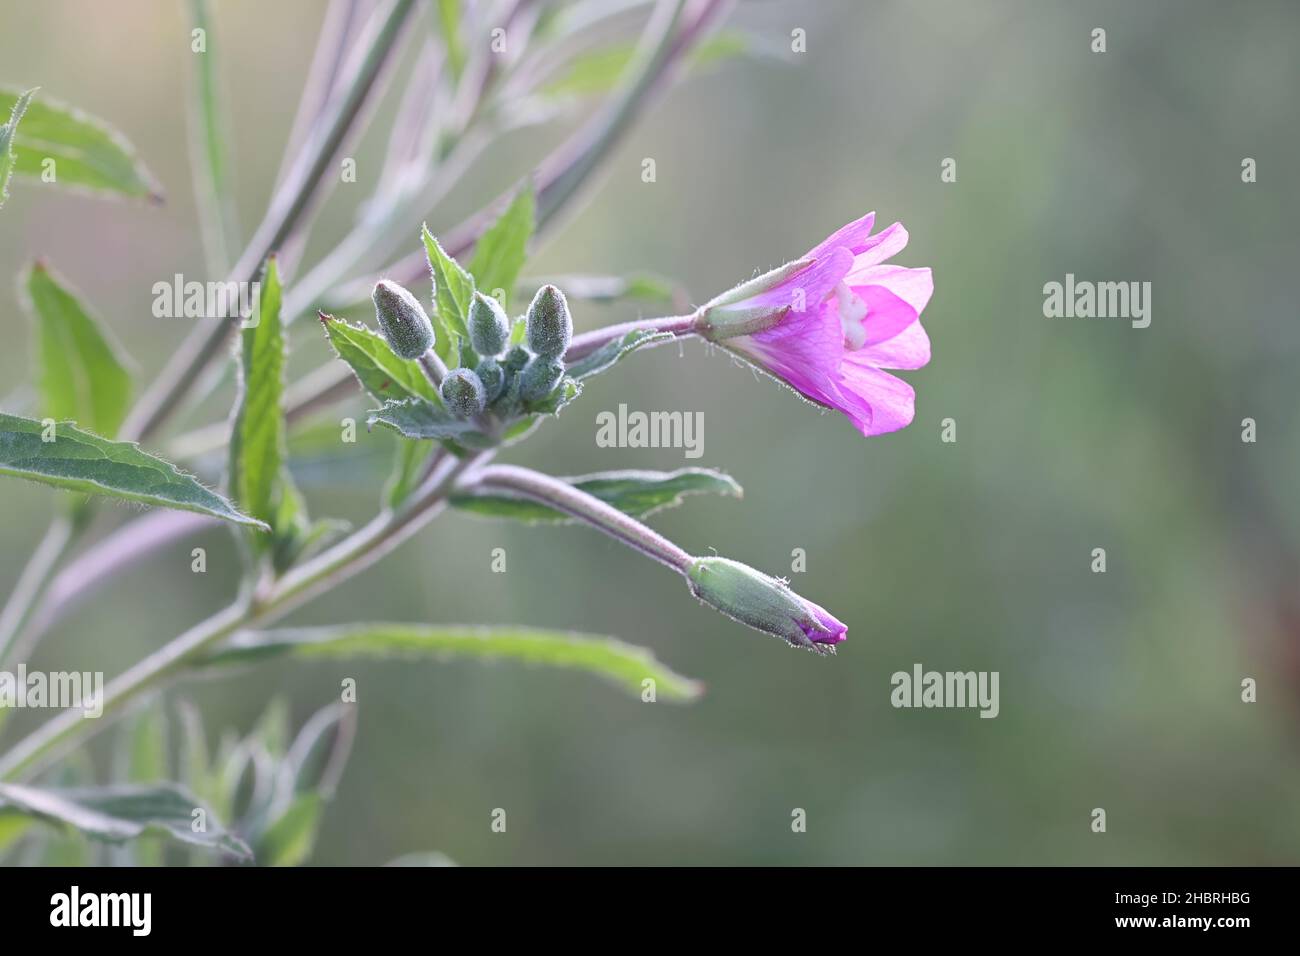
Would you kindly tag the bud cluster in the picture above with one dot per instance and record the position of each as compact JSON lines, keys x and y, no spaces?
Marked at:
{"x":502,"y":372}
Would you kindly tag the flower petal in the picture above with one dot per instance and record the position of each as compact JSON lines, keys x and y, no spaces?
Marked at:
{"x":886,"y":243}
{"x":910,"y":348}
{"x":854,"y":236}
{"x":892,"y":401}
{"x":913,"y":286}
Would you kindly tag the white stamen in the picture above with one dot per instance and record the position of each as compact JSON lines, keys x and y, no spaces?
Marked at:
{"x":852,"y":312}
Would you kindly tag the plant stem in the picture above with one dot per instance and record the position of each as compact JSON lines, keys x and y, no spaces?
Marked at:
{"x":33,"y":582}
{"x":433,"y":367}
{"x":350,"y":556}
{"x":562,"y":496}
{"x":556,"y":176}
{"x":287,"y":208}
{"x":588,"y":342}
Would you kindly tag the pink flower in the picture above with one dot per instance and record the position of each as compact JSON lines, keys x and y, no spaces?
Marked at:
{"x":829,"y":323}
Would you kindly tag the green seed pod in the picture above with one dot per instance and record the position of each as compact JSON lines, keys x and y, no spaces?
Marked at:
{"x":462,"y":393}
{"x":402,"y":320}
{"x":489,"y":328}
{"x":515,"y":359}
{"x":539,"y":378}
{"x":550,"y":328}
{"x":493,"y":377}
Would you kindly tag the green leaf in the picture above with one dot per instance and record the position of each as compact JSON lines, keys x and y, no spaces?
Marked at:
{"x":599,"y":71}
{"x":80,"y":461}
{"x":124,"y":812}
{"x":453,"y":291}
{"x":408,"y":464}
{"x":624,"y":664}
{"x":8,"y":134}
{"x":290,"y":839}
{"x":417,"y":418}
{"x":259,"y":476}
{"x":569,"y":389}
{"x":500,"y":252}
{"x":637,"y":493}
{"x":83,"y":375}
{"x":141,"y":753}
{"x":86,"y":153}
{"x":140,"y":757}
{"x":615,"y":350}
{"x":381,"y":373}
{"x":210,"y":141}
{"x":449,"y":24}
{"x":639,"y":286}
{"x":13,"y":826}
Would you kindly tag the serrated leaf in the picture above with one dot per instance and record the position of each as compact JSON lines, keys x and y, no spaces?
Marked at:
{"x":419,"y":419}
{"x":637,"y":493}
{"x":83,"y":375}
{"x":381,"y":373}
{"x":87,"y":154}
{"x":614,"y":351}
{"x":259,"y":476}
{"x":624,"y":664}
{"x":500,"y":252}
{"x":453,"y":291}
{"x":118,"y":813}
{"x":8,"y":134}
{"x":79,"y":461}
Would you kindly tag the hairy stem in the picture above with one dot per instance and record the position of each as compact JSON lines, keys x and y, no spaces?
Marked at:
{"x":287,"y":208}
{"x":33,"y":582}
{"x":323,"y":572}
{"x":604,"y":517}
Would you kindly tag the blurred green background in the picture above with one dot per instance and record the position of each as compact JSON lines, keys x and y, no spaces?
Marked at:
{"x":1119,"y":690}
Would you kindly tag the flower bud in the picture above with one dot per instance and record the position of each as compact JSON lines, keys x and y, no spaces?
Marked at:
{"x":493,"y":377}
{"x":489,"y":328}
{"x":550,"y":327}
{"x":402,"y":320}
{"x":539,"y":378}
{"x":764,"y":603}
{"x":462,"y":393}
{"x":515,"y":359}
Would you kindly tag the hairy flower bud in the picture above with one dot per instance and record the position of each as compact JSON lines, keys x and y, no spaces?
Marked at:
{"x":489,"y":328}
{"x":539,"y":378}
{"x":550,"y":328}
{"x":463,"y":393}
{"x":402,"y":320}
{"x":493,"y":377}
{"x":764,"y":603}
{"x":515,"y":359}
